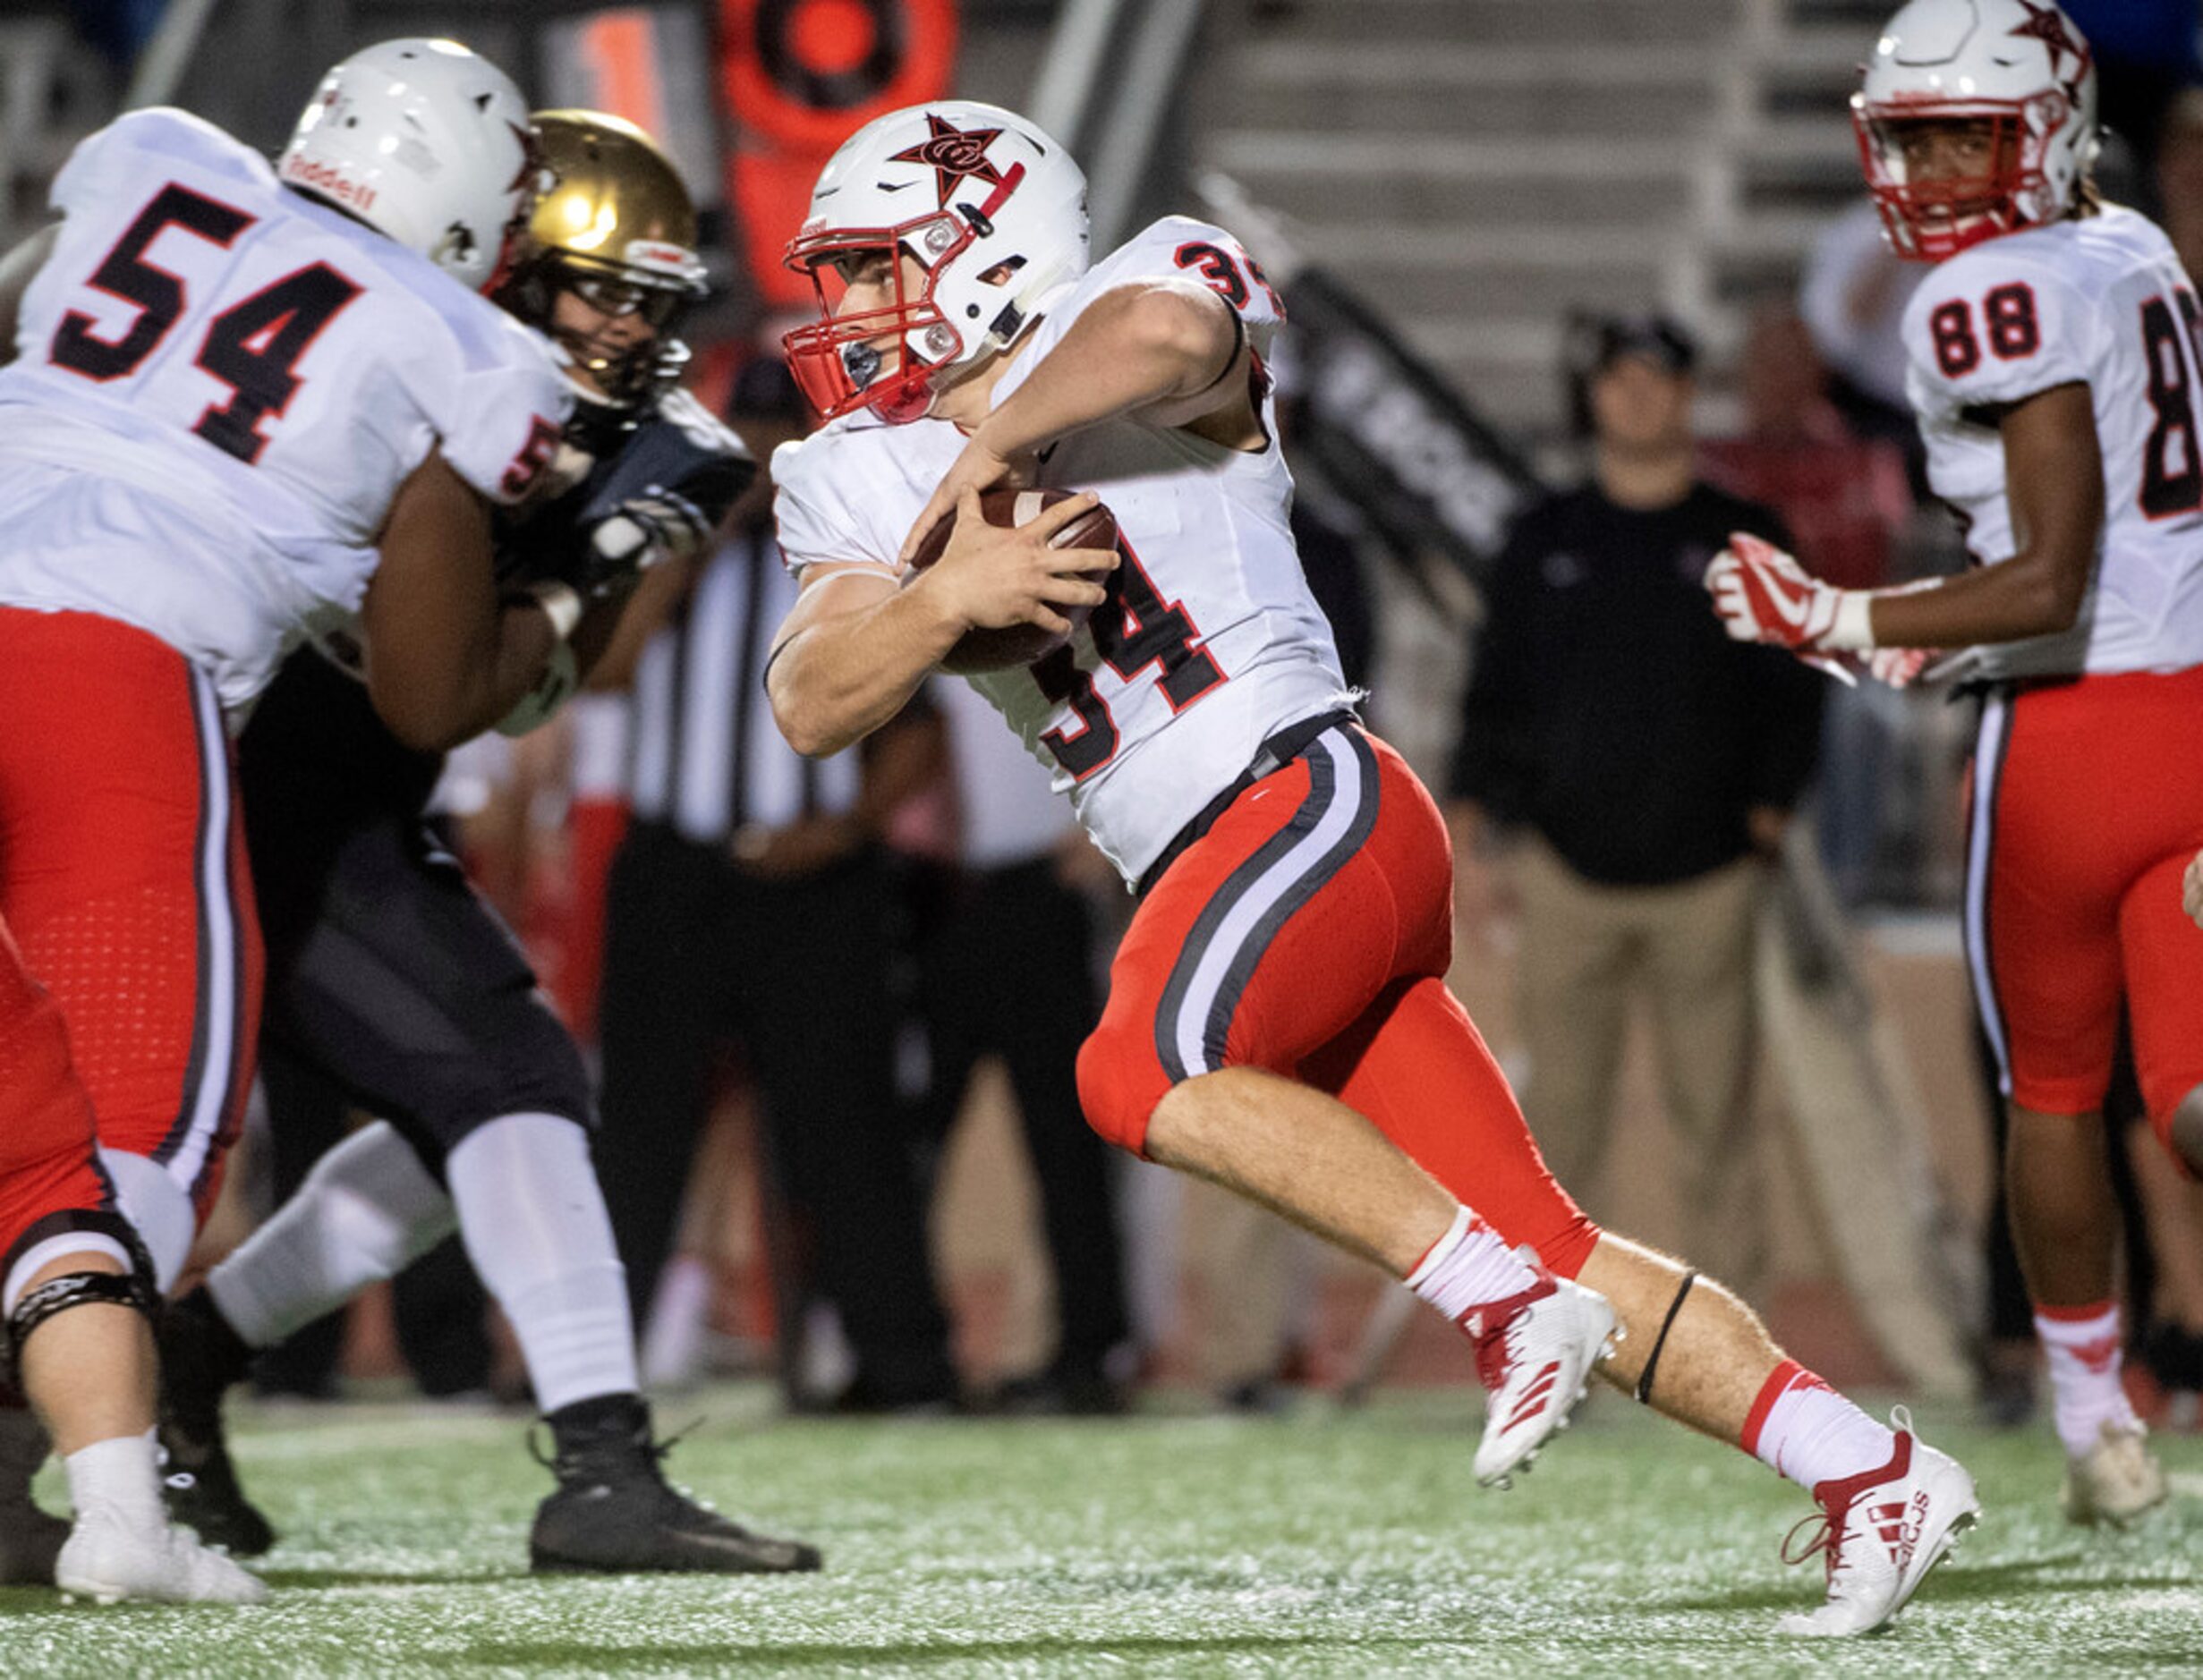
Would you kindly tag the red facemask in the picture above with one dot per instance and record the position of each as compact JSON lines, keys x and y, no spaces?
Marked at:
{"x":837,"y":360}
{"x":1930,"y":220}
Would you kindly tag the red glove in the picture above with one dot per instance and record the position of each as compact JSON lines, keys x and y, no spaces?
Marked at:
{"x":1763,"y":595}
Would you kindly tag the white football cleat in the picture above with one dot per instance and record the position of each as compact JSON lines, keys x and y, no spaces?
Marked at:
{"x":1883,"y":1531}
{"x":1534,"y":1351}
{"x":2116,"y":1482}
{"x":107,"y":1559}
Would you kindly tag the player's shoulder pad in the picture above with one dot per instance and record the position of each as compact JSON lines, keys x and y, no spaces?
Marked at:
{"x":819,"y":494}
{"x":1183,"y":248}
{"x":2002,"y":321}
{"x":499,"y":414}
{"x":140,"y":143}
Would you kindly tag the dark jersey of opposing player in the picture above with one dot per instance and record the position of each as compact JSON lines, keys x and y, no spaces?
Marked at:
{"x":315,"y":735}
{"x":386,"y":975}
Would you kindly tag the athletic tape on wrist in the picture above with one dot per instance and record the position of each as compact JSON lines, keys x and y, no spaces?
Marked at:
{"x":1853,"y":630}
{"x":1643,"y":1393}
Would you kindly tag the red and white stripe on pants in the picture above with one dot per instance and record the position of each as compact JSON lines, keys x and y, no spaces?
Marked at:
{"x":123,"y":883}
{"x":2086,"y":806}
{"x":1308,"y":932}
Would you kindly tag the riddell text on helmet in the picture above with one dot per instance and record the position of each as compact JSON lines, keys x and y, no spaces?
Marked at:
{"x":327,"y":178}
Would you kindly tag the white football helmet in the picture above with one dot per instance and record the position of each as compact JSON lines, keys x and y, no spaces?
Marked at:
{"x":428,"y":142}
{"x":991,"y":209}
{"x":2020,"y":65}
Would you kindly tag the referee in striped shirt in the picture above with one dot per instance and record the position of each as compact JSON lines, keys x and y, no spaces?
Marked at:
{"x":751,"y":908}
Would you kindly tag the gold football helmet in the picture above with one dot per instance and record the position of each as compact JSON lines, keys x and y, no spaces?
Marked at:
{"x":618,"y":231}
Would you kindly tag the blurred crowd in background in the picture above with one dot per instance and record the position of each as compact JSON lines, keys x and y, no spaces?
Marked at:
{"x":836,"y":1005}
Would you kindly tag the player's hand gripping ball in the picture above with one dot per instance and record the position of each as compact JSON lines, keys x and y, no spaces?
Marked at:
{"x":1016,"y":645}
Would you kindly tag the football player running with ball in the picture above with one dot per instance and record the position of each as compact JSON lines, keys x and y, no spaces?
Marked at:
{"x":1278,"y":1019}
{"x":2053,"y":365}
{"x":390,"y":978}
{"x":239,"y":401}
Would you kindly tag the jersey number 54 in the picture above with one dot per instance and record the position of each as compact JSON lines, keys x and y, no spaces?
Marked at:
{"x":253,"y":347}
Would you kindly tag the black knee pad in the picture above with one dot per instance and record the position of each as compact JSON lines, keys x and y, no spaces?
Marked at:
{"x":132,"y":1289}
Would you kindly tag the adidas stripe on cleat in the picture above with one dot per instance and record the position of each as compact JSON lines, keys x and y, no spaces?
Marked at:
{"x":1534,"y":1351}
{"x":1883,"y":1532}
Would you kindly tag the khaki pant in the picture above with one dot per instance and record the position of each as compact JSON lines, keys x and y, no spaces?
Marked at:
{"x":1587,"y":950}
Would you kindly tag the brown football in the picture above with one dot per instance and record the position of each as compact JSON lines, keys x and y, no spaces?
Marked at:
{"x":1017,"y":644}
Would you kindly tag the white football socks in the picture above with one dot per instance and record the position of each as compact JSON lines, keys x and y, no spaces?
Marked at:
{"x":121,"y":1477}
{"x":534,"y":1223}
{"x":367,"y":1211}
{"x":1805,"y":1431}
{"x":2086,"y":1353}
{"x":1467,"y":1268}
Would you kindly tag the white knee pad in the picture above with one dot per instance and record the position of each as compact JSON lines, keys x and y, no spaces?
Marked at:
{"x":160,"y":1207}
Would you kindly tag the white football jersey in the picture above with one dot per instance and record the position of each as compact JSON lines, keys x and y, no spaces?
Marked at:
{"x":2103,"y":302}
{"x":1209,"y":641}
{"x":218,"y":386}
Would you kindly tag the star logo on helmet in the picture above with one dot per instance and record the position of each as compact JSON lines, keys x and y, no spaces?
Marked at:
{"x":2047,"y":24}
{"x":954,"y":155}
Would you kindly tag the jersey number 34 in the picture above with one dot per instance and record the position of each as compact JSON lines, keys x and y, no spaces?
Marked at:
{"x":1134,"y":629}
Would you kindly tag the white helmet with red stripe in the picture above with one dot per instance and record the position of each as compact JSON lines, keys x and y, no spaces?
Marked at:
{"x":991,"y":210}
{"x":426,"y":141}
{"x":2018,"y":66}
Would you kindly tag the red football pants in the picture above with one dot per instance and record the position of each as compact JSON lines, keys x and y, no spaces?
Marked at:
{"x":2087,"y":804}
{"x":122,"y":880}
{"x":52,"y":1192}
{"x":1308,"y":932}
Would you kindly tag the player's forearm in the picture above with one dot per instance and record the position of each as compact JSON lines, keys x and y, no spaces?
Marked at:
{"x":1132,"y":349}
{"x":2054,"y":479}
{"x":601,"y":630}
{"x":434,"y":711}
{"x":641,"y":615}
{"x":2029,"y":595}
{"x":835,"y":679}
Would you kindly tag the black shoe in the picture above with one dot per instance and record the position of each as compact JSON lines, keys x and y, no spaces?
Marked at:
{"x":200,"y":1357}
{"x":615,"y":1513}
{"x":864,"y":1399}
{"x":30,"y":1538}
{"x":1074,"y":1389}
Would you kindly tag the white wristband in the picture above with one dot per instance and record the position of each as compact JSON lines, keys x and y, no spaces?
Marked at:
{"x":561,"y":604}
{"x":1853,"y":631}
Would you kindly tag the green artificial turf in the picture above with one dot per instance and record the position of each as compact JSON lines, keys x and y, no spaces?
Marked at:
{"x":1322,"y":1544}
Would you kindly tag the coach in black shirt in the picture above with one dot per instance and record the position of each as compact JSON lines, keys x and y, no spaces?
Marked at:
{"x":1650,"y":762}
